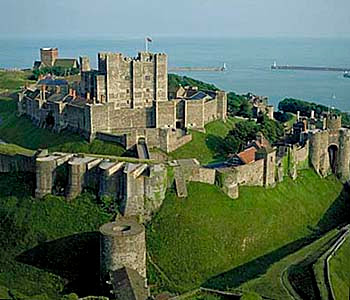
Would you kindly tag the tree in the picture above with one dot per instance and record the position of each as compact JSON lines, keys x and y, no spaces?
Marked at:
{"x":237,"y":139}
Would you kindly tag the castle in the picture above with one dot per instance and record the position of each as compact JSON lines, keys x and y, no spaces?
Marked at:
{"x":125,"y":100}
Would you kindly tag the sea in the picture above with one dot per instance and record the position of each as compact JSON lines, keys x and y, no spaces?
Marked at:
{"x":248,"y":62}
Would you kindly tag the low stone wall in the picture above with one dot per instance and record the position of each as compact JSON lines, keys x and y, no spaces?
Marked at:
{"x":108,"y":137}
{"x":176,"y":142}
{"x":203,"y":175}
{"x":17,"y":163}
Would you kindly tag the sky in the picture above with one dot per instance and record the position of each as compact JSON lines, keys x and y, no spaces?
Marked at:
{"x":204,"y":18}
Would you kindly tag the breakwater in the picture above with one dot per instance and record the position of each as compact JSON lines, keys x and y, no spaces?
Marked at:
{"x":306,"y":68}
{"x":197,"y":69}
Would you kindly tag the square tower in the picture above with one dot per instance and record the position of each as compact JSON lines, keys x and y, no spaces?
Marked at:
{"x":48,"y":56}
{"x":131,"y":82}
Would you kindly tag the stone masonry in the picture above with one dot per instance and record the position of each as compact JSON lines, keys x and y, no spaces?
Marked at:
{"x":123,"y":97}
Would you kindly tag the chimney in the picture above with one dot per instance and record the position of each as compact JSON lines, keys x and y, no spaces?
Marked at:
{"x":298,"y":115}
{"x":70,"y":92}
{"x":58,"y":89}
{"x":88,"y":96}
{"x":43,"y":89}
{"x":312,"y":114}
{"x":74,"y":94}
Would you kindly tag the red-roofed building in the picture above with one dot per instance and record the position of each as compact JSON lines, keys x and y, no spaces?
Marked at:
{"x":247,"y":156}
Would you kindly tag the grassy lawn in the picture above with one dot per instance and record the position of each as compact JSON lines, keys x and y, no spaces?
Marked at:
{"x":340,"y":275}
{"x":47,"y":248}
{"x":204,"y":145}
{"x":195,"y":239}
{"x":12,"y":80}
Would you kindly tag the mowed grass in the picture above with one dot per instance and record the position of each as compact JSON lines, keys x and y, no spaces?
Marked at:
{"x":340,"y":271}
{"x":206,"y":234}
{"x":204,"y":146}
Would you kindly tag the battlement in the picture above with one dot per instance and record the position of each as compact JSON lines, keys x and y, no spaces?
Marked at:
{"x":333,"y":122}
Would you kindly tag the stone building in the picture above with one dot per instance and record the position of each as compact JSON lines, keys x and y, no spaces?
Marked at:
{"x":125,"y":98}
{"x":49,"y":58}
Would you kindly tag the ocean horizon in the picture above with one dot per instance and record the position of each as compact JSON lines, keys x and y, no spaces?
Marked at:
{"x":248,"y":62}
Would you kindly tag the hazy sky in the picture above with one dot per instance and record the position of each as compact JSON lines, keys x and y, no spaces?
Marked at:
{"x":136,"y":18}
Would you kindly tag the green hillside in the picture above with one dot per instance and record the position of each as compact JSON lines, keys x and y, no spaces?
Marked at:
{"x":340,"y":274}
{"x":193,"y":240}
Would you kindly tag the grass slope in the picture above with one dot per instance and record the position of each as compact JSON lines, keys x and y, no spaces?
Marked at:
{"x":45,"y":246}
{"x":204,"y":145}
{"x":270,"y":284}
{"x":340,"y":275}
{"x":197,"y":238}
{"x":12,"y":80}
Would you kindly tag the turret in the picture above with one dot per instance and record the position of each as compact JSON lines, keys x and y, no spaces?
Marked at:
{"x":333,"y":123}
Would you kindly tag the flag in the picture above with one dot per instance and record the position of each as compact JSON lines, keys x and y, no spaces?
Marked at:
{"x":148,"y":39}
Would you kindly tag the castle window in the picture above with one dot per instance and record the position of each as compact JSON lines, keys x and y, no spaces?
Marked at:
{"x":127,"y":91}
{"x":147,"y":90}
{"x":147,"y":77}
{"x":127,"y":77}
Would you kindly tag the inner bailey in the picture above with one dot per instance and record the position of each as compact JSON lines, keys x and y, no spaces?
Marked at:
{"x":123,"y":97}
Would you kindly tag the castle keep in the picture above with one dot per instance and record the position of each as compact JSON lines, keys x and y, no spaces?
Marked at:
{"x":125,"y":100}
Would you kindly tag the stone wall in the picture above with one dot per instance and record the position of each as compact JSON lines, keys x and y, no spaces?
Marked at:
{"x":210,"y":111}
{"x":195,"y":114}
{"x":17,"y":163}
{"x":155,"y":189}
{"x":166,"y":114}
{"x":250,"y":174}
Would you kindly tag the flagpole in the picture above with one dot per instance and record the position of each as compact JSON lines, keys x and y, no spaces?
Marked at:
{"x":146,"y":44}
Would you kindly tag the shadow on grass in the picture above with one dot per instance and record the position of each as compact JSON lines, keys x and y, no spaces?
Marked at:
{"x":216,"y":145}
{"x":336,"y":216}
{"x":75,"y":258}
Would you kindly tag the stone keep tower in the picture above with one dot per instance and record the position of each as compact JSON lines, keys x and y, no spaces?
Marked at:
{"x":123,"y":245}
{"x":131,"y":82}
{"x":48,"y":56}
{"x":330,"y":149}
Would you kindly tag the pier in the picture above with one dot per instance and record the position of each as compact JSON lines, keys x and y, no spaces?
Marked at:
{"x":307,"y":68}
{"x":198,"y":69}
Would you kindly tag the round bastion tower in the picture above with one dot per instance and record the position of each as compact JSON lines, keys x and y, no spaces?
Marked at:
{"x":344,"y":154}
{"x":123,"y":244}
